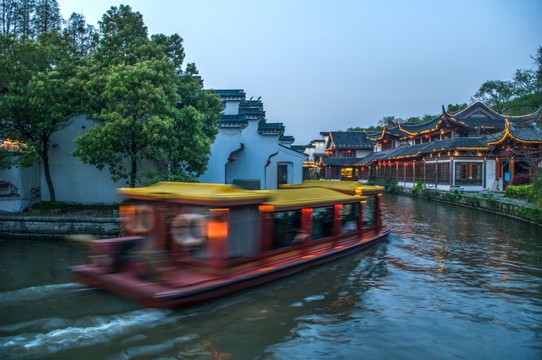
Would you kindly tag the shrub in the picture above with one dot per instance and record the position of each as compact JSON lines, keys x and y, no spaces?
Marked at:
{"x":521,"y":179}
{"x":520,"y":191}
{"x":417,"y":187}
{"x":390,"y":184}
{"x":537,"y":189}
{"x":49,"y":205}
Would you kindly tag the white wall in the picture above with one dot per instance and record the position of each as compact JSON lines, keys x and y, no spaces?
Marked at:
{"x":74,"y":181}
{"x":227,"y":140}
{"x":20,"y":188}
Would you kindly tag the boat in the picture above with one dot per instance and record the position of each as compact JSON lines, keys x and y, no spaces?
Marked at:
{"x":186,"y":243}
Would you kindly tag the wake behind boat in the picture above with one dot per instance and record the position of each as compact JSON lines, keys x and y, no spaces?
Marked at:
{"x":187,"y":243}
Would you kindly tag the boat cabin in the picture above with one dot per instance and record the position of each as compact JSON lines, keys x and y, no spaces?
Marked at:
{"x":219,"y":226}
{"x":186,"y":243}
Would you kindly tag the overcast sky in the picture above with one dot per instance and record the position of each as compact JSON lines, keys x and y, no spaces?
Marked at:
{"x":329,"y":65}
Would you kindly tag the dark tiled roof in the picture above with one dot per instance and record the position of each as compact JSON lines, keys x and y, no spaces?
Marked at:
{"x":407,"y":151}
{"x":287,"y":139}
{"x":298,"y":148}
{"x":231,"y":93}
{"x":526,"y":132}
{"x":349,"y":140}
{"x":232,"y":120}
{"x":340,"y":161}
{"x":270,"y":128}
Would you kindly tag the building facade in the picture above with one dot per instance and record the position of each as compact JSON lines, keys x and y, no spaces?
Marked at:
{"x":249,"y":151}
{"x":474,"y":149}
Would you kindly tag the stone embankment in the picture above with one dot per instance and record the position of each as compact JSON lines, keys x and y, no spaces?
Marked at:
{"x":493,"y":202}
{"x":60,"y":225}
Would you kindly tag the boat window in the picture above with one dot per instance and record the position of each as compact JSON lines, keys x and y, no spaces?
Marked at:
{"x":369,"y":210}
{"x":286,"y":228}
{"x":350,"y":216}
{"x":322,"y":222}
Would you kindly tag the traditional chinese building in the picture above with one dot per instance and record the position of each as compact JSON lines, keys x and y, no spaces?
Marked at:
{"x":474,"y":148}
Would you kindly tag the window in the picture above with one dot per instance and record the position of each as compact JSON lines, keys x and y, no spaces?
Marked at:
{"x":443,"y":172}
{"x":286,"y":228}
{"x":346,"y":173}
{"x":322,"y":222}
{"x":468,"y":173}
{"x":282,"y":174}
{"x":430,"y":173}
{"x":349,"y":217}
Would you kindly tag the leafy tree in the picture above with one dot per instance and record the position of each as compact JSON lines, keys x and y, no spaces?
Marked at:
{"x":495,"y":93}
{"x":451,"y":108}
{"x":388,"y":121}
{"x":38,"y":99}
{"x":7,"y":15}
{"x":23,"y":18}
{"x":46,"y":16}
{"x":147,"y":110}
{"x":79,"y":34}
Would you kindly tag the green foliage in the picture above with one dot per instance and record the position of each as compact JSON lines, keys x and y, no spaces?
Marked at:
{"x":536,"y":183}
{"x":49,"y":205}
{"x":147,"y":109}
{"x":520,"y":191}
{"x":39,"y":99}
{"x":419,"y":185}
{"x":390,"y":184}
{"x":453,"y":108}
{"x":495,"y":94}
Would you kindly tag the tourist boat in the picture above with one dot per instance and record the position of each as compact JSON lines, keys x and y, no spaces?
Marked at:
{"x":187,"y":243}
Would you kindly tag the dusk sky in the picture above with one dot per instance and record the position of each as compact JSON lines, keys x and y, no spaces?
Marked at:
{"x":329,"y":65}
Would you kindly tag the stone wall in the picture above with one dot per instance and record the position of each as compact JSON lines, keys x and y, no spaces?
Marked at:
{"x":56,"y":226}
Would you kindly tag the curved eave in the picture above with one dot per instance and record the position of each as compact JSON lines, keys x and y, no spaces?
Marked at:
{"x":508,"y":134}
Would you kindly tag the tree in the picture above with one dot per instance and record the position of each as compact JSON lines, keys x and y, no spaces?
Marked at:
{"x":451,"y":108}
{"x":39,"y":99}
{"x":46,"y":16}
{"x":147,"y":110}
{"x":80,"y":34}
{"x":388,"y":121}
{"x":23,"y":18}
{"x":496,"y":94}
{"x":7,"y":15}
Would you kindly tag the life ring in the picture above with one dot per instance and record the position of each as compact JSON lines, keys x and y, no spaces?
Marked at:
{"x":138,"y":219}
{"x":189,"y":229}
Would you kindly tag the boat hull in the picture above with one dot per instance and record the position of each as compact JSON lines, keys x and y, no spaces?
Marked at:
{"x":161,"y":294}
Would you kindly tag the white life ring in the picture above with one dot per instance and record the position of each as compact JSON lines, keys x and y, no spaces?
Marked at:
{"x":189,"y":229}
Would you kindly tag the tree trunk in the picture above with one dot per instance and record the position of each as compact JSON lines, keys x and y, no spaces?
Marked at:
{"x":45,"y":159}
{"x":133,"y":172}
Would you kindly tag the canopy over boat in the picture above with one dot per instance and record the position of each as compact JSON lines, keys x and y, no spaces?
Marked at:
{"x":213,"y":194}
{"x":347,"y":187}
{"x":306,"y":197}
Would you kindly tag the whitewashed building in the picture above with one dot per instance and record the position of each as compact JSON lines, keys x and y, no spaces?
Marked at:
{"x":249,"y":151}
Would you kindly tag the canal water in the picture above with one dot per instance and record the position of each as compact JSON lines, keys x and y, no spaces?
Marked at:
{"x":450,"y":283}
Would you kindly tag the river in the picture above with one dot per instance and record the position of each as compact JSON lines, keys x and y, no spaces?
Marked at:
{"x":450,"y":283}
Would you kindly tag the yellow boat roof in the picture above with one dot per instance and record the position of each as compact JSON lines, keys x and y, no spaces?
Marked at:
{"x":351,"y":187}
{"x":283,"y":198}
{"x":225,"y":195}
{"x":194,"y":192}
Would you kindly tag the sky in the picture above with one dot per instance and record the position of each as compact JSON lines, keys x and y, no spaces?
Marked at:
{"x":329,"y":65}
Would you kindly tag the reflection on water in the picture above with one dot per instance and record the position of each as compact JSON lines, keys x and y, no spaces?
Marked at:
{"x":450,"y":283}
